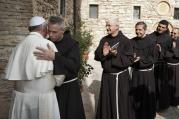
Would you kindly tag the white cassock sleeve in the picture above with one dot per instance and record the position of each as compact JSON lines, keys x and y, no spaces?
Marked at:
{"x":59,"y":79}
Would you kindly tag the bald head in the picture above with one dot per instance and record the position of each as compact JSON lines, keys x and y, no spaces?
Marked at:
{"x":175,"y":33}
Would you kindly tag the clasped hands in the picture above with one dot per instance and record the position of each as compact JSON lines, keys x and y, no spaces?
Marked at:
{"x":136,"y":58}
{"x":159,"y":47}
{"x":108,"y":50}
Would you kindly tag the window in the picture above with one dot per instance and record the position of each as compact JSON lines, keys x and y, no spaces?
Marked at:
{"x":62,"y":7}
{"x":136,"y":12}
{"x":93,"y":11}
{"x":176,"y":13}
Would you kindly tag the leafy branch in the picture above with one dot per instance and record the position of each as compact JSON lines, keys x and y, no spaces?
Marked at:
{"x":84,"y":39}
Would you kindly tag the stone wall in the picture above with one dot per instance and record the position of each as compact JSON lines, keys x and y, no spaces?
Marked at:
{"x":151,"y":12}
{"x":14,"y":15}
{"x":45,"y":8}
{"x":69,"y":12}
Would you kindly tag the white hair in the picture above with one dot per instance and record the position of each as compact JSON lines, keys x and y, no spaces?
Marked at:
{"x":114,"y":21}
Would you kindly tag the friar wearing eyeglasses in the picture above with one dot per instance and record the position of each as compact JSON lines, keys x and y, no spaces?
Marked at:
{"x":115,"y":54}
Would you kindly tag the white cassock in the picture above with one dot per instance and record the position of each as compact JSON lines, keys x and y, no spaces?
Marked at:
{"x":34,"y":96}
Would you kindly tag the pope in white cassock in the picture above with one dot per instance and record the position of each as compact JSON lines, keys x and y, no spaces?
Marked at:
{"x":34,"y":96}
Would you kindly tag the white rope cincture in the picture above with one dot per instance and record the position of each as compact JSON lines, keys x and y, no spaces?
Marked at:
{"x":117,"y":86}
{"x":117,"y":103}
{"x":70,"y":80}
{"x":173,"y":64}
{"x":149,"y":69}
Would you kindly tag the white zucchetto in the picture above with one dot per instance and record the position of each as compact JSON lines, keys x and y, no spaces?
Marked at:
{"x":36,"y":20}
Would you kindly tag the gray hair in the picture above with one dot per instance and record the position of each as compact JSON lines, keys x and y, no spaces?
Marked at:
{"x":113,"y":20}
{"x":57,"y":20}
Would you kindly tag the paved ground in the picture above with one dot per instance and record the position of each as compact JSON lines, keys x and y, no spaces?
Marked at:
{"x":170,"y":113}
{"x":88,"y":98}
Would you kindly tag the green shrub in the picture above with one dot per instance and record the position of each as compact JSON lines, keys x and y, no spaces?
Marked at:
{"x":84,"y":39}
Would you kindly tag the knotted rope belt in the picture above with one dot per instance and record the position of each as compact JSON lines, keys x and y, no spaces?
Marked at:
{"x":117,"y":97}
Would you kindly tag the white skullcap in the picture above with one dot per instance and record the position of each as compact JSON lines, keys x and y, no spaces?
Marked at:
{"x":36,"y":20}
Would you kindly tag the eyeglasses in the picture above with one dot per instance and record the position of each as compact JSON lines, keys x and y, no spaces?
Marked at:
{"x":173,"y":33}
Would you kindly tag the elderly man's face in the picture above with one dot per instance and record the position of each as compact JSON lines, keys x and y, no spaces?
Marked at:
{"x":111,"y":27}
{"x":161,"y":28}
{"x":140,"y":31}
{"x":175,"y":34}
{"x":55,"y":32}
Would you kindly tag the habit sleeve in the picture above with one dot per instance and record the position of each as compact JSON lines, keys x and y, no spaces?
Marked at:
{"x":147,"y":58}
{"x":99,"y":52}
{"x":124,"y":56}
{"x":169,"y":50}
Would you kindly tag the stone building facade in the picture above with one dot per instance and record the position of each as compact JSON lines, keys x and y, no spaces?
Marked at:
{"x":151,"y":11}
